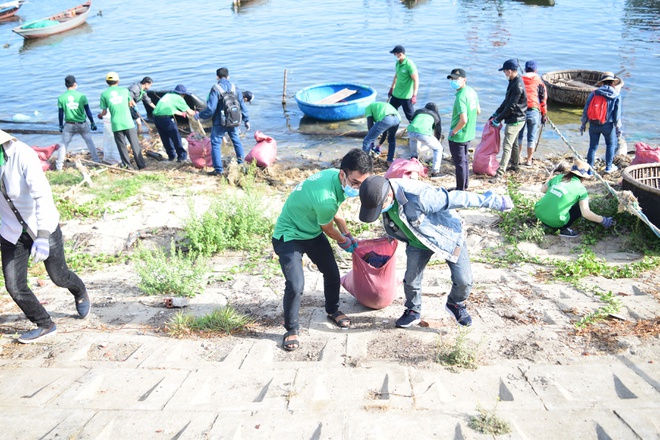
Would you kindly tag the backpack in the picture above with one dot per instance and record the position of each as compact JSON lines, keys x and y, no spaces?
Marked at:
{"x":597,"y":110}
{"x":229,"y":107}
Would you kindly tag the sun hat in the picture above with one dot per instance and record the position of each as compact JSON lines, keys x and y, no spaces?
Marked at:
{"x":5,"y":137}
{"x":373,"y":193}
{"x":112,"y":76}
{"x":581,"y":169}
{"x":608,"y":76}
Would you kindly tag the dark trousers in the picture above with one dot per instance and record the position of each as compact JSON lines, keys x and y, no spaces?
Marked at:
{"x":408,"y":107}
{"x":169,"y":134}
{"x":14,"y":268}
{"x":459,"y":154}
{"x":319,"y":251}
{"x":120,"y":138}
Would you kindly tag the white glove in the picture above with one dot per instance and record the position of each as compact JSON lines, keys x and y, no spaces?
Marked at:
{"x":40,"y":250}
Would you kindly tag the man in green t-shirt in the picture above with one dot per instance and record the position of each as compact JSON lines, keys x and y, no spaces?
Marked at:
{"x":463,"y":123}
{"x":117,"y":100}
{"x":169,"y":105}
{"x":403,"y":92}
{"x":309,"y":214}
{"x":72,"y":108}
{"x":381,"y":118}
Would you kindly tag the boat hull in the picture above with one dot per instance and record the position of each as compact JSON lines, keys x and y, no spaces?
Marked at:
{"x":8,"y":12}
{"x":68,"y":19}
{"x":353,"y":107}
{"x":644,"y":182}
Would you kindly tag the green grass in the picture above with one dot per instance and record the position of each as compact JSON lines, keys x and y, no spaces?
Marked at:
{"x":488,"y":422}
{"x":459,"y":353}
{"x":225,"y":320}
{"x":174,"y":274}
{"x":520,"y":224}
{"x":612,"y":305}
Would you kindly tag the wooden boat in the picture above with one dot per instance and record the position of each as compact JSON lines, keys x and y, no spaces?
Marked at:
{"x":644,"y":182}
{"x":55,"y":24}
{"x":8,"y":9}
{"x":571,"y":87}
{"x":335,"y":101}
{"x":193,"y":101}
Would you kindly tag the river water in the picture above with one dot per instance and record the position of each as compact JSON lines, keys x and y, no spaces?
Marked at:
{"x":333,"y":41}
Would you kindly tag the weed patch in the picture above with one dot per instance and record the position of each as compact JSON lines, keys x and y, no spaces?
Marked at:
{"x":224,"y":320}
{"x":461,"y":353}
{"x":520,"y":224}
{"x":612,"y":305}
{"x":487,"y":422}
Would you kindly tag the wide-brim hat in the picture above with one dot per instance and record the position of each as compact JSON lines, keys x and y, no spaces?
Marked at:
{"x":609,"y":76}
{"x":5,"y":137}
{"x":581,"y":169}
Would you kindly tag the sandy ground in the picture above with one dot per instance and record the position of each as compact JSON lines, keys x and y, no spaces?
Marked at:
{"x":520,"y":312}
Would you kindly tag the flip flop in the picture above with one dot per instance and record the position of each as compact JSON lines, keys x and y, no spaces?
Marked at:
{"x":292,"y":344}
{"x":340,"y":320}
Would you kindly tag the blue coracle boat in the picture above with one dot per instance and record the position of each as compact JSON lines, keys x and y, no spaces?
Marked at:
{"x":335,"y":101}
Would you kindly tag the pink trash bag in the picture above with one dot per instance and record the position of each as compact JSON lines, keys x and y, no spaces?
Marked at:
{"x":199,"y":151}
{"x":485,"y":156}
{"x":44,"y":154}
{"x":373,"y":285}
{"x":264,"y":152}
{"x":406,"y":169}
{"x":645,"y":154}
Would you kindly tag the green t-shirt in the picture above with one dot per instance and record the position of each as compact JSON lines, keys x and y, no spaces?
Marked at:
{"x":378,"y":111}
{"x":466,"y":102}
{"x":169,"y":104}
{"x":73,"y":103}
{"x":393,"y":213}
{"x":422,"y":124}
{"x":314,"y":202}
{"x":115,"y":99}
{"x":553,"y":208}
{"x":404,"y":87}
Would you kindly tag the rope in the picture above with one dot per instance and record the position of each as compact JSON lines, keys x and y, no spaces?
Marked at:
{"x":627,"y":201}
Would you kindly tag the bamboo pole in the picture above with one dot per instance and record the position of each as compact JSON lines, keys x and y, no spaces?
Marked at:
{"x":284,"y":90}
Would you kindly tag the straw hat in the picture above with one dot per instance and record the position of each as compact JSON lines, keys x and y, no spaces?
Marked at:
{"x":581,"y":169}
{"x":6,"y":137}
{"x":609,"y":76}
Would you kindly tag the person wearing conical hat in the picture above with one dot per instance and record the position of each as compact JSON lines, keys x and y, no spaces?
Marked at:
{"x":566,"y":200}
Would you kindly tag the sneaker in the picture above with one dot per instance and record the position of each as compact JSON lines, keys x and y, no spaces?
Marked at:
{"x":37,"y":334}
{"x":611,"y":169}
{"x":214,"y":173}
{"x":435,"y":175}
{"x":409,"y":318}
{"x":568,"y":232}
{"x":375,"y":152}
{"x":83,"y":305}
{"x":496,"y":179}
{"x":460,"y":314}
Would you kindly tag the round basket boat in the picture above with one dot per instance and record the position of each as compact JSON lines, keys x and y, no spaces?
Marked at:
{"x":644,"y":182}
{"x":335,"y":101}
{"x":571,"y":87}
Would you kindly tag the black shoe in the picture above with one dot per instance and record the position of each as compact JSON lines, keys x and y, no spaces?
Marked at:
{"x":171,"y":159}
{"x":460,"y":314}
{"x":408,"y":319}
{"x":214,"y":173}
{"x":37,"y":334}
{"x":568,"y":232}
{"x":83,"y":305}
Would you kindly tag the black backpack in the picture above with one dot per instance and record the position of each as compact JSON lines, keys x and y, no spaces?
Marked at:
{"x":229,"y":107}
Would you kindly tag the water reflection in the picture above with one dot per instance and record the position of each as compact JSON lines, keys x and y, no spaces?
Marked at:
{"x":538,"y":2}
{"x":413,"y":3}
{"x":243,"y":6}
{"x":55,"y":40}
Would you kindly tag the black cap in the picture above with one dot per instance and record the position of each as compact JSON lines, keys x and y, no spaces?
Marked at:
{"x":457,"y":73}
{"x":398,"y":49}
{"x":248,"y":95}
{"x":511,"y":64}
{"x":69,"y":81}
{"x":373,"y":193}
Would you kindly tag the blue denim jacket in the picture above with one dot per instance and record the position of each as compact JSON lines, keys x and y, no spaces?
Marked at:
{"x":430,"y":214}
{"x":212,"y":103}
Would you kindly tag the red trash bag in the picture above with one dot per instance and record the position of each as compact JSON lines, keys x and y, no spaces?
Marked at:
{"x":199,"y":151}
{"x":374,"y":287}
{"x":485,"y":156}
{"x":264,"y":152}
{"x":645,"y":154}
{"x":406,"y":169}
{"x":44,"y":154}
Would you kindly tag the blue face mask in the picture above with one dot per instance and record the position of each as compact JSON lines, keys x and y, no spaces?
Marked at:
{"x":350,"y":191}
{"x":387,"y":208}
{"x":454,"y":84}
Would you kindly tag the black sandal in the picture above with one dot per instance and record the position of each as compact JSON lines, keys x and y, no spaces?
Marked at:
{"x":340,"y":320}
{"x":292,"y":344}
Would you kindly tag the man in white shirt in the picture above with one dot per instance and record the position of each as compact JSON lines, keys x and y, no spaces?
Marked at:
{"x":27,"y":206}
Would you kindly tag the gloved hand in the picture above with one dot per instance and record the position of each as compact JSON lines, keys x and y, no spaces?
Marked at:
{"x":413,"y":100}
{"x":495,"y":123}
{"x":100,"y":116}
{"x":40,"y":250}
{"x":544,"y":119}
{"x":353,"y":240}
{"x":347,"y":245}
{"x":582,"y":128}
{"x":196,"y":116}
{"x":493,"y":116}
{"x":61,"y":128}
{"x":247,"y":125}
{"x":607,"y":222}
{"x":389,"y":94}
{"x":507,"y":204}
{"x":93,"y":127}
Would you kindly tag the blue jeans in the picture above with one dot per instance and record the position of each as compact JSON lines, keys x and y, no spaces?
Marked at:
{"x":319,"y":251}
{"x":217,"y":132}
{"x":70,"y":129}
{"x":417,"y":259}
{"x":428,"y":140}
{"x":390,"y":123}
{"x":14,"y":268}
{"x":609,"y":133}
{"x":169,"y":134}
{"x":532,"y":123}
